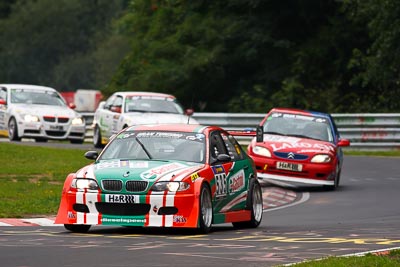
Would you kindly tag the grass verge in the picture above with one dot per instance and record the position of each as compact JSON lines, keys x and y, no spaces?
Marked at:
{"x":31,"y":178}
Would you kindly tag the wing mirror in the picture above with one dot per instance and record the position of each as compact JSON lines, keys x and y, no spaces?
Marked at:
{"x":223,"y":158}
{"x":343,"y":142}
{"x":259,"y":134}
{"x":92,"y":155}
{"x":3,"y":101}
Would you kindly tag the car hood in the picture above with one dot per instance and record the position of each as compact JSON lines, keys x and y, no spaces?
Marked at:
{"x":286,"y":144}
{"x":136,"y":118}
{"x":139,"y":170}
{"x":45,"y":110}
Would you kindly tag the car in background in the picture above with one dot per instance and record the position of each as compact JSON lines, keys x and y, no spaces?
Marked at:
{"x":123,"y":109}
{"x":38,"y":112}
{"x":297,"y":147}
{"x":174,"y":175}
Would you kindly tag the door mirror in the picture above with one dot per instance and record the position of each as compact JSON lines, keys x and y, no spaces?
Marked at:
{"x":259,"y":134}
{"x":116,"y":109}
{"x":343,"y":142}
{"x":3,"y":101}
{"x":91,"y":155}
{"x":223,"y":158}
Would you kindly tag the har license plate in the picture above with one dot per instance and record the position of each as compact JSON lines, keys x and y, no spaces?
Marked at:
{"x":289,"y":166}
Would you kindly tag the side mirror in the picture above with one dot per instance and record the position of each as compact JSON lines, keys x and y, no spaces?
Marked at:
{"x":223,"y":158}
{"x":72,"y":105}
{"x":3,"y":101}
{"x":92,"y":155}
{"x":259,"y":134}
{"x":116,"y":109}
{"x":189,"y":112}
{"x":343,"y":142}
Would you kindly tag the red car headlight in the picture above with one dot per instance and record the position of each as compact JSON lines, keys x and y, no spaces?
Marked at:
{"x":322,"y":158}
{"x":261,"y":151}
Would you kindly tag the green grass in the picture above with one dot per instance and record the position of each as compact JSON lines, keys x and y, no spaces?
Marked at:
{"x":369,"y":260}
{"x":389,"y":153}
{"x":31,"y":178}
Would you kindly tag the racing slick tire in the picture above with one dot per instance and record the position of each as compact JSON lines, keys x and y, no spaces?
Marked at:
{"x":337,"y":180}
{"x":205,"y":210}
{"x":13,"y":130}
{"x":77,"y":228}
{"x":254,"y":204}
{"x":97,"y":137}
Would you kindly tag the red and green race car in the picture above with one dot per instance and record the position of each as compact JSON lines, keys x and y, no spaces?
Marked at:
{"x":182,"y":175}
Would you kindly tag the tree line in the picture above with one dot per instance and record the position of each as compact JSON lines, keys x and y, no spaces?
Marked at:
{"x":337,"y":56}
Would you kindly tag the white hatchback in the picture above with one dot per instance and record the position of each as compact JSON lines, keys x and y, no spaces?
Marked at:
{"x":123,"y":109}
{"x":38,"y":112}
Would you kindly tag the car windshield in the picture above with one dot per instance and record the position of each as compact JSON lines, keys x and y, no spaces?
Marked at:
{"x":152,"y":104}
{"x":156,"y":145}
{"x":298,"y":126}
{"x":37,"y":97}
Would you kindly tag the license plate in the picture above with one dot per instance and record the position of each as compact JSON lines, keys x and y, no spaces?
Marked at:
{"x":111,"y":198}
{"x":56,"y":127}
{"x":289,"y":166}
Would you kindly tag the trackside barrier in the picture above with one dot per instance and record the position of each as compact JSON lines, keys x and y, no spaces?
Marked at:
{"x":366,"y":131}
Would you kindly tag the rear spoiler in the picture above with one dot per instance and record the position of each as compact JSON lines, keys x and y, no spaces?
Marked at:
{"x":258,"y":133}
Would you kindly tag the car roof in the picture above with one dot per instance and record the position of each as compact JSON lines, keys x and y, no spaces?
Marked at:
{"x":300,"y":111}
{"x":141,"y":93}
{"x":190,"y":128}
{"x":27,"y":87}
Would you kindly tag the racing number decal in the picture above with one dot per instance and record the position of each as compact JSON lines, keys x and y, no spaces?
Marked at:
{"x":220,"y":181}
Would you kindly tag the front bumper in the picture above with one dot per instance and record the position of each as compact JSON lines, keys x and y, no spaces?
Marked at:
{"x":153,"y":210}
{"x":54,"y":131}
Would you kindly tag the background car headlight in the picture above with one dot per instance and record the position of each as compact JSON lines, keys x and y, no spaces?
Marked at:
{"x":77,"y":121}
{"x":30,"y":118}
{"x":84,"y":184}
{"x":321,"y":158}
{"x":261,"y":151}
{"x":170,"y":186}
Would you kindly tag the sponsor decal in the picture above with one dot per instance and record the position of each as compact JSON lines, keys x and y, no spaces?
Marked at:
{"x":113,"y":198}
{"x":179,"y":219}
{"x":237,"y":182}
{"x":194,"y":176}
{"x":218,"y":169}
{"x":121,"y":220}
{"x":71,"y":215}
{"x":108,"y":164}
{"x":158,"y":171}
{"x":155,"y":209}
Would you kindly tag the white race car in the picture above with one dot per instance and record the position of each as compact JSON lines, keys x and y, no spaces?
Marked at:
{"x":38,"y":112}
{"x":123,"y":109}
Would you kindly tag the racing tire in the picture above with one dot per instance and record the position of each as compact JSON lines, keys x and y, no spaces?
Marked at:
{"x":13,"y":130}
{"x":97,"y":137}
{"x":77,"y":228}
{"x":205,"y":210}
{"x":337,"y":180}
{"x":254,"y":204}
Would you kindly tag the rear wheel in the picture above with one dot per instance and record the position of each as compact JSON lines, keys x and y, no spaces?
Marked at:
{"x":206,"y":211}
{"x":254,"y":204}
{"x":13,"y":130}
{"x":77,"y":228}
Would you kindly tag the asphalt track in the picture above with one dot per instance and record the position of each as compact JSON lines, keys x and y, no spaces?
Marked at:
{"x":298,"y":224}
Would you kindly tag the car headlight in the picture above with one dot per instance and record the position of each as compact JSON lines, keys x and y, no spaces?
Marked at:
{"x":77,"y":121}
{"x":321,"y":158}
{"x":261,"y":151}
{"x":30,"y":118}
{"x":84,"y":184}
{"x":170,"y":186}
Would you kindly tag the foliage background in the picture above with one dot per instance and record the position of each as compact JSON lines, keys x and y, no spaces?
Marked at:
{"x":214,"y":55}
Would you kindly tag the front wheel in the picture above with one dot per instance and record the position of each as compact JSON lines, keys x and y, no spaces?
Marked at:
{"x":97,"y":137}
{"x":205,"y":210}
{"x":337,"y":180}
{"x":13,"y":130}
{"x":254,"y":204}
{"x":77,"y":228}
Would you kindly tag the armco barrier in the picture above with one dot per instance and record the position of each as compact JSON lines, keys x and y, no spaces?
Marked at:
{"x":366,"y":131}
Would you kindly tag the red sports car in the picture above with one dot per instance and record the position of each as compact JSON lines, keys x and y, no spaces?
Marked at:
{"x":298,"y":147}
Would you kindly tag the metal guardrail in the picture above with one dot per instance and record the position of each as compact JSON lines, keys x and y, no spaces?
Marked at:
{"x":366,"y":131}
